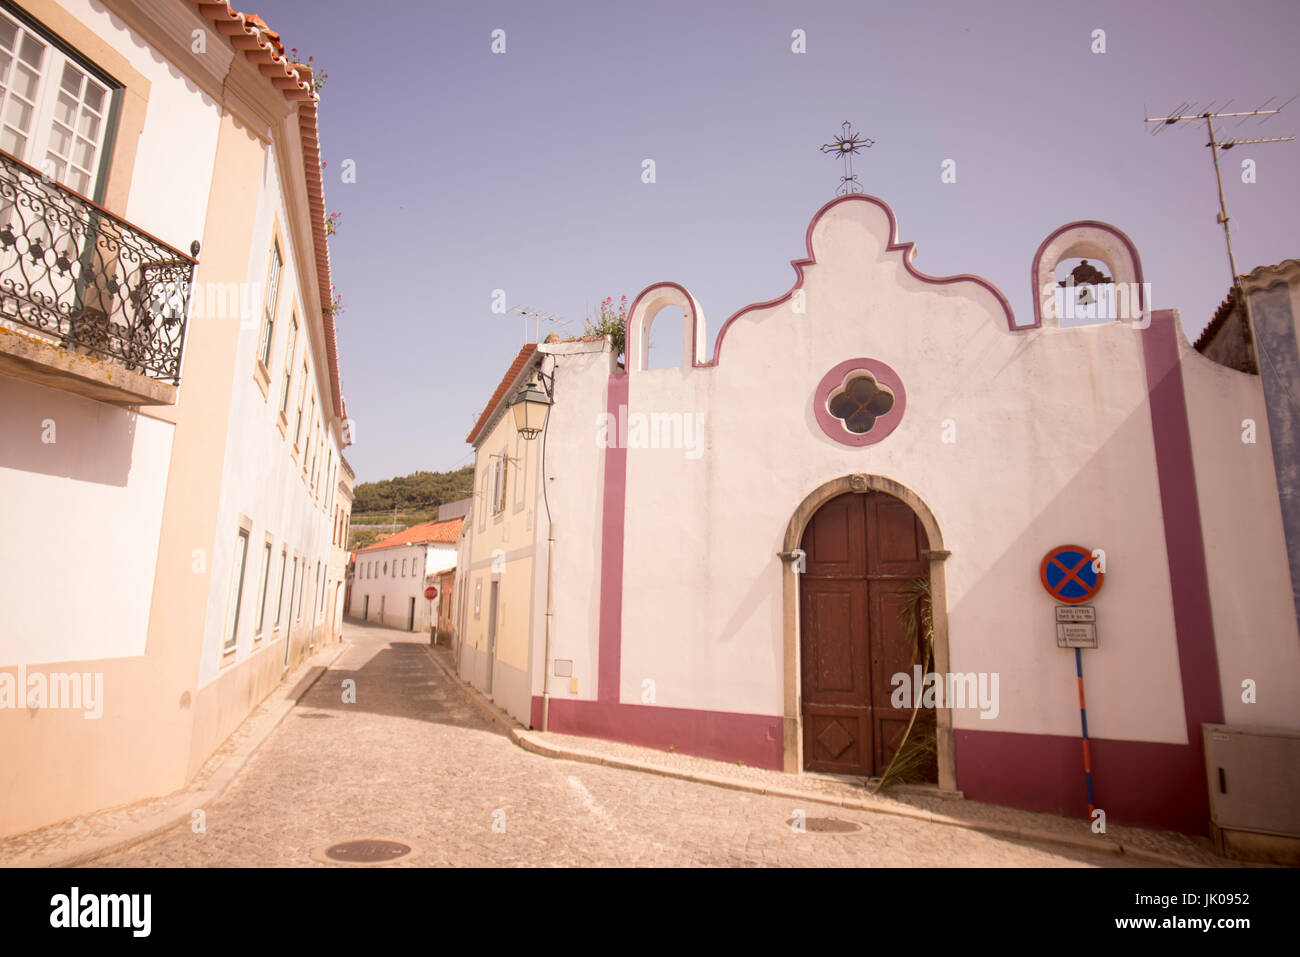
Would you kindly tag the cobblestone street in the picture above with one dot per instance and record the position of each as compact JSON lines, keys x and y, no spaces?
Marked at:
{"x":415,"y":761}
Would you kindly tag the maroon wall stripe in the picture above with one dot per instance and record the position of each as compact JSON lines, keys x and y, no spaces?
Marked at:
{"x":721,"y":735}
{"x":1198,"y":661}
{"x":1144,"y":783}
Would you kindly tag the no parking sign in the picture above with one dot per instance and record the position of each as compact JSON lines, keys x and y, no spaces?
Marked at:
{"x":1069,"y":575}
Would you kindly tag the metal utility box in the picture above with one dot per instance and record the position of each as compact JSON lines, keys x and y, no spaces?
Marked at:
{"x":1254,"y":781}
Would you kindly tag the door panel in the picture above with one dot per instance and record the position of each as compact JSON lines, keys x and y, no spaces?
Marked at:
{"x":834,"y":541}
{"x":862,"y":551}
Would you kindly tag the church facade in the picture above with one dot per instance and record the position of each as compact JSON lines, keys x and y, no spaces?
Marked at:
{"x":741,"y":548}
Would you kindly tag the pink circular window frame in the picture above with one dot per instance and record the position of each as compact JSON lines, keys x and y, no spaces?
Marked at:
{"x":885,"y":424}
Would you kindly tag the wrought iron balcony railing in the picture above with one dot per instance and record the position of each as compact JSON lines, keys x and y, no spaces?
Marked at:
{"x":86,"y":280}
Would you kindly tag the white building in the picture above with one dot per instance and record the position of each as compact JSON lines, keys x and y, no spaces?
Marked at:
{"x":715,"y":559}
{"x":170,"y":397}
{"x":391,"y":575}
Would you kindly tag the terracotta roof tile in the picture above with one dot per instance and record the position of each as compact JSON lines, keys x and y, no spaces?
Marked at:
{"x":1221,"y":315}
{"x":525,"y":356}
{"x":442,"y":533}
{"x":263,"y":48}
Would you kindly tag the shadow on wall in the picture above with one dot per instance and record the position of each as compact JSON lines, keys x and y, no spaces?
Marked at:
{"x":52,"y":432}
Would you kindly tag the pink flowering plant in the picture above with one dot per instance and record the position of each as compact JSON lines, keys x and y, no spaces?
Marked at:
{"x":317,"y":78}
{"x":612,"y":323}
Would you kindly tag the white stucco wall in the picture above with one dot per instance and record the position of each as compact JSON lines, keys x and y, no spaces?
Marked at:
{"x":1053,"y":446}
{"x":81,"y":523}
{"x":1245,"y":551}
{"x":574,"y":472}
{"x":110,"y":465}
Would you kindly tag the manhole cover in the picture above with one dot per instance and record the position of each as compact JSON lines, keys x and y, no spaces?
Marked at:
{"x":828,"y":825}
{"x":367,"y":852}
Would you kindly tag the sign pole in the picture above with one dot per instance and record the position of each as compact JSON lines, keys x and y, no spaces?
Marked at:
{"x":1070,"y":575}
{"x":1083,"y":718}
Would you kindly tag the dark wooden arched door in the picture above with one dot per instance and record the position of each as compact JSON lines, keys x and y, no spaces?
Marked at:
{"x":862,"y":550}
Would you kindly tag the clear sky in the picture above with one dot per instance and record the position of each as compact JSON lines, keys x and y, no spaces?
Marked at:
{"x":522,"y":171}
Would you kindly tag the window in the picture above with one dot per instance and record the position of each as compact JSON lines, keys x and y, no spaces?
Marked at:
{"x":499,"y":484}
{"x":279,"y":598}
{"x":860,"y":402}
{"x":478,"y":595}
{"x":288,"y":364}
{"x":403,"y":567}
{"x":311,"y":435}
{"x":266,"y":578}
{"x":302,"y":591}
{"x":272,"y":294}
{"x":293,"y":587}
{"x":236,"y":587}
{"x":54,"y":114}
{"x":302,"y":398}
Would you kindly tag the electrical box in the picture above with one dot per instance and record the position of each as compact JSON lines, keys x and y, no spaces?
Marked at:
{"x":1254,"y":782}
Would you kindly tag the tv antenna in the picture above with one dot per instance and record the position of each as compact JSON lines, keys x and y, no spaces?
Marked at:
{"x":538,"y":318}
{"x":1186,"y":112}
{"x":846,"y":146}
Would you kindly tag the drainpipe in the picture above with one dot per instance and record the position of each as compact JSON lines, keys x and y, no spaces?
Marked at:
{"x":550,"y":611}
{"x":550,"y":560}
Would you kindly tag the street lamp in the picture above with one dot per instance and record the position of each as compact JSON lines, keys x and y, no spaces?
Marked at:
{"x":531,"y":407}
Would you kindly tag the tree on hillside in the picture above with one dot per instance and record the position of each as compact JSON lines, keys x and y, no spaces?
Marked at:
{"x":419,"y":489}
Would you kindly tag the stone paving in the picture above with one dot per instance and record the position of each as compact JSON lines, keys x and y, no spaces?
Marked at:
{"x":416,"y":761}
{"x":67,"y":838}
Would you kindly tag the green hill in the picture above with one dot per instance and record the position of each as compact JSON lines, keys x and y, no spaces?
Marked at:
{"x":416,"y":497}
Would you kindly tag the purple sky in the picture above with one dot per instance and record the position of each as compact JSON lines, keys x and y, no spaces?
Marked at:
{"x":522,"y":171}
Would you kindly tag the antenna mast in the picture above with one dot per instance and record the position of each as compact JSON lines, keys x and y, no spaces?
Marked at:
{"x":538,"y":318}
{"x":1184,"y":113}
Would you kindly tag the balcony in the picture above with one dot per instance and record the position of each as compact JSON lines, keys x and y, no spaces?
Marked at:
{"x":88,"y":302}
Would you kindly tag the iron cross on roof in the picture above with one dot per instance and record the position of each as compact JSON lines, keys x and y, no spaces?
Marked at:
{"x":845,"y":146}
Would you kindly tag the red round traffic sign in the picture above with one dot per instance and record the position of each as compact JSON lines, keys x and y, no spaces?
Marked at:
{"x":1068,"y":574}
{"x":431,"y":592}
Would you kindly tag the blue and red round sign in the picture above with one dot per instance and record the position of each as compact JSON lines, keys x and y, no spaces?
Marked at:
{"x":1068,"y":574}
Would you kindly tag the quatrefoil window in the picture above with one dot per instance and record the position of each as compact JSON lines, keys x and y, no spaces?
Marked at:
{"x":859,"y":402}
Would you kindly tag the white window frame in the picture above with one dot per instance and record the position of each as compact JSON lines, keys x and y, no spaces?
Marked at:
{"x":279,"y":595}
{"x":268,"y":551}
{"x":39,"y":134}
{"x":273,"y":271}
{"x":499,"y":473}
{"x":235,"y":601}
